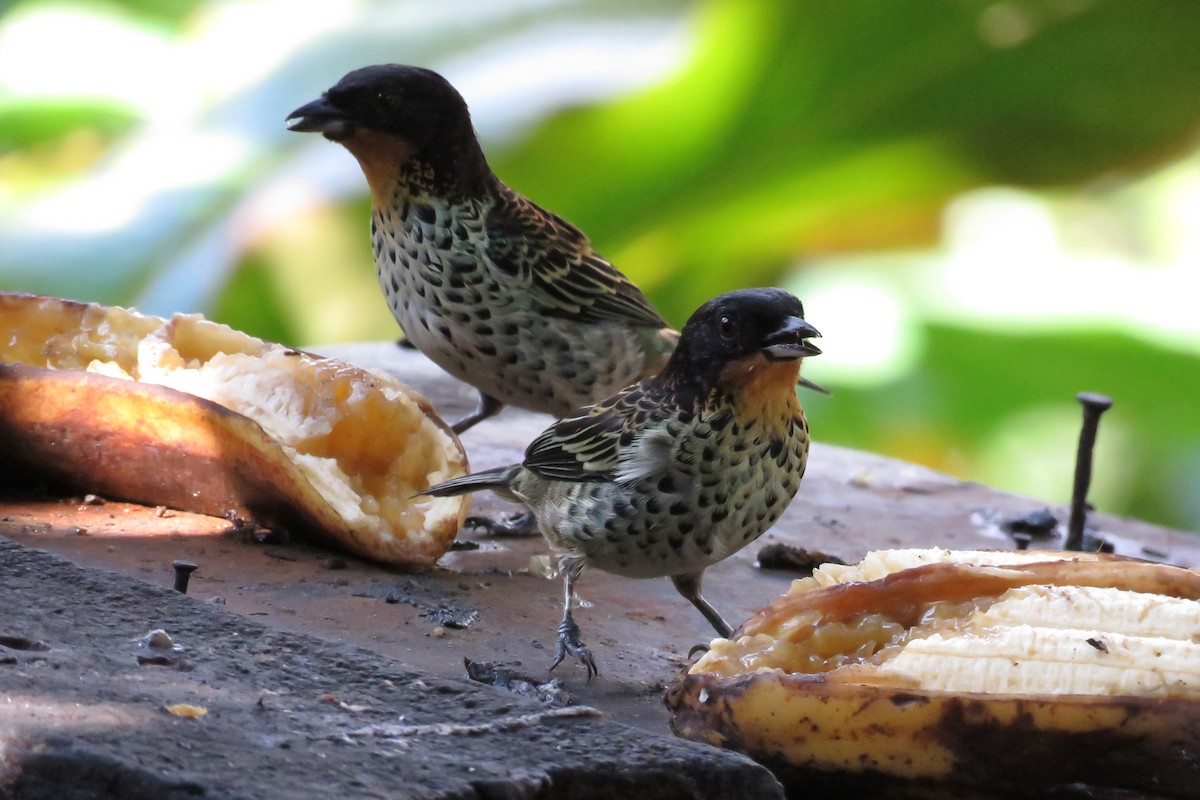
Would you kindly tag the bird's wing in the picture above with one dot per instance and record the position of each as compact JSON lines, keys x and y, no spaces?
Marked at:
{"x":560,"y":271}
{"x":602,"y":441}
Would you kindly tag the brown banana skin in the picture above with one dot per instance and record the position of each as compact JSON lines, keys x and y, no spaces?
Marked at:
{"x":149,"y":444}
{"x":999,"y":747}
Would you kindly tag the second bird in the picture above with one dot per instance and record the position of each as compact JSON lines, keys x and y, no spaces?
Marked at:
{"x":495,"y":290}
{"x":680,"y":470}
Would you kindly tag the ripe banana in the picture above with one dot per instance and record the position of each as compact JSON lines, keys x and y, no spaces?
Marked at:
{"x":194,"y":415}
{"x":984,"y":674}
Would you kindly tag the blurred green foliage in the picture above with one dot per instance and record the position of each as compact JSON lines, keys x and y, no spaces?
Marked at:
{"x":785,"y":135}
{"x":39,"y":123}
{"x":798,"y":128}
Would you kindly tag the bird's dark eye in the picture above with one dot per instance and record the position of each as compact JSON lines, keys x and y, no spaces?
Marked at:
{"x":728,"y":326}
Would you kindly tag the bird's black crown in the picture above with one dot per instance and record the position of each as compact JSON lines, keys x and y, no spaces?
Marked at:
{"x":740,"y":324}
{"x":413,"y":102}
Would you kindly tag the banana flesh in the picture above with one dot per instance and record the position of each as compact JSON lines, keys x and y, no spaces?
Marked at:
{"x":1068,"y":653}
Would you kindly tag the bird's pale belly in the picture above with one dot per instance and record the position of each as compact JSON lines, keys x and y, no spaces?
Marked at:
{"x":664,"y":550}
{"x":630,"y":530}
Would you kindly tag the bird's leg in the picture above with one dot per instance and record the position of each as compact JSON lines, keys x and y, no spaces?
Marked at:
{"x":689,"y":586}
{"x":488,"y":407}
{"x":521,"y":523}
{"x":568,"y":631}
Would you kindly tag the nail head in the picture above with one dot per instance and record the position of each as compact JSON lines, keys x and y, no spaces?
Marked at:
{"x":1094,"y":400}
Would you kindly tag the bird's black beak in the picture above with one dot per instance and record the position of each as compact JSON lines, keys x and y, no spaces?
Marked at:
{"x":321,"y":116}
{"x":789,"y":342}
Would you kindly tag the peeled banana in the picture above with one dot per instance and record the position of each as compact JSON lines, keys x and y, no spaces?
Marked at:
{"x":964,"y":674}
{"x":194,"y":415}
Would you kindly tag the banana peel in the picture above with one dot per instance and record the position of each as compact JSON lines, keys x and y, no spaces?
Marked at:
{"x":822,"y":685}
{"x":193,"y":415}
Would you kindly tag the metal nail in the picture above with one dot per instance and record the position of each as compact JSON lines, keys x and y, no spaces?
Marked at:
{"x":183,"y":571}
{"x":1093,"y":406}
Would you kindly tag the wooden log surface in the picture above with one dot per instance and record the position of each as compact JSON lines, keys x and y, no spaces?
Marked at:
{"x":498,"y":602}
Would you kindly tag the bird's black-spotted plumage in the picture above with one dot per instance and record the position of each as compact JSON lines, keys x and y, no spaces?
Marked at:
{"x":496,"y":290}
{"x":677,"y":472}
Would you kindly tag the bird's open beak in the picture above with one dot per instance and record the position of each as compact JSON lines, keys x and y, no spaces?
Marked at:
{"x":321,"y":116}
{"x":790,"y":341}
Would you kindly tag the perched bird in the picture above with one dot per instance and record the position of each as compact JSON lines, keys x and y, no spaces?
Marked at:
{"x":680,"y":470}
{"x":502,"y":294}
{"x":495,"y":290}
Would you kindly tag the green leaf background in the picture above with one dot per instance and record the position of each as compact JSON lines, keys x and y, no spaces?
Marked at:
{"x":807,"y":144}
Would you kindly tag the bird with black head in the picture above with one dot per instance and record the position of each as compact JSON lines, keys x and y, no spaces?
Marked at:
{"x":680,"y":470}
{"x":495,"y":290}
{"x":500,"y":293}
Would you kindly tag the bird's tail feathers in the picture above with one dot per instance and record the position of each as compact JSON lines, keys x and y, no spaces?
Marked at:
{"x":493,"y":479}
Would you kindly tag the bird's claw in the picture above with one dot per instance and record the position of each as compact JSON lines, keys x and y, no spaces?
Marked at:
{"x":519,"y":524}
{"x":569,"y":644}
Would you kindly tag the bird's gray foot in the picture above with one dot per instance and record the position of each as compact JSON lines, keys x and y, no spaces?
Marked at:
{"x":569,"y":644}
{"x":521,"y":523}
